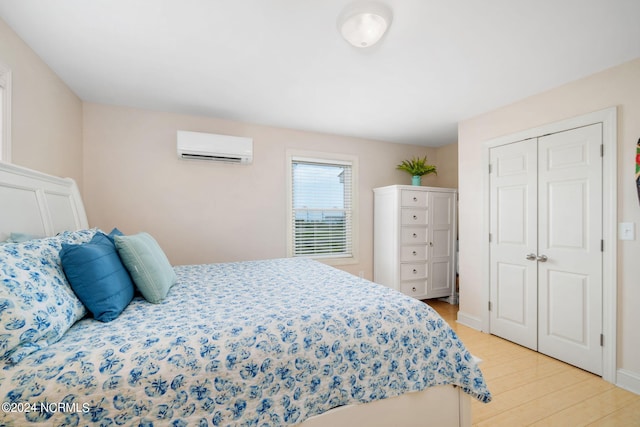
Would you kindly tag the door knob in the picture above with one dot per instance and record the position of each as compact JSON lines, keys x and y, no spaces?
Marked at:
{"x":532,"y":257}
{"x":542,"y":258}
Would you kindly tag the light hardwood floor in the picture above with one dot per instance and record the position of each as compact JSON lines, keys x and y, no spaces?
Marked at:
{"x":531,"y":389}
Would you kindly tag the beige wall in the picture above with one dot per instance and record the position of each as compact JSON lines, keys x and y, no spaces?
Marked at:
{"x":214,"y":212}
{"x":124,"y":161}
{"x":201,"y":212}
{"x":46,"y":114}
{"x":447,"y":160}
{"x":619,"y":86}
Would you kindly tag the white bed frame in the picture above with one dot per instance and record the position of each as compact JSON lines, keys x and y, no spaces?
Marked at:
{"x":38,"y":204}
{"x":43,"y":205}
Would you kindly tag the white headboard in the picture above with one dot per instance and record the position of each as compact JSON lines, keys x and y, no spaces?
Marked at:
{"x":38,"y":204}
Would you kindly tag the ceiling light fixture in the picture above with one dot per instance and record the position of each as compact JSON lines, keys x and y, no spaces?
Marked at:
{"x":364,"y":23}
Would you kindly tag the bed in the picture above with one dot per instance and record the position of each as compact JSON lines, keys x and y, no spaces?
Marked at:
{"x":267,"y":343}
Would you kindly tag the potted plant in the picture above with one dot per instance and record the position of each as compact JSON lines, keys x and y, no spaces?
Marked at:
{"x":417,"y":167}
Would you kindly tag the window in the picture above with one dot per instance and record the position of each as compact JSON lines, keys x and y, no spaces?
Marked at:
{"x":5,"y":113}
{"x":321,"y":208}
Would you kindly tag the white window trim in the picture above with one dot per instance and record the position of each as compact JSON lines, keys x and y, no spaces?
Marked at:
{"x":328,"y":158}
{"x":5,"y":137}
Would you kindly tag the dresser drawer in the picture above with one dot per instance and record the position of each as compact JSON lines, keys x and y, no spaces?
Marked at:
{"x":413,"y":253}
{"x":414,"y":216}
{"x":413,"y":235}
{"x":412,"y":198}
{"x":413,"y":271}
{"x":414,"y":288}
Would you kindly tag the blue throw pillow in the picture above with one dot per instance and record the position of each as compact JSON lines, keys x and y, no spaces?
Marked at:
{"x":97,"y":276}
{"x":115,"y":232}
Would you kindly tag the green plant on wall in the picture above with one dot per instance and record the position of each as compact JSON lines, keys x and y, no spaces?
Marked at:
{"x":417,"y":167}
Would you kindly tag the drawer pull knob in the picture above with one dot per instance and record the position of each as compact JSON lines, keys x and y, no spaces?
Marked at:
{"x":414,"y":253}
{"x":415,"y":235}
{"x":415,"y":271}
{"x":415,"y":217}
{"x":415,"y":199}
{"x":413,"y":289}
{"x":431,"y":244}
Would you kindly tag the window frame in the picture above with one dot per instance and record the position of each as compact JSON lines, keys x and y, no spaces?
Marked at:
{"x":328,"y":159}
{"x":5,"y":113}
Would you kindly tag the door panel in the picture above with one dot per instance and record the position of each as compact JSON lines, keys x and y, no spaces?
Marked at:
{"x":441,"y":240}
{"x":512,"y":204}
{"x":570,"y":282}
{"x":439,"y":282}
{"x":567,"y":218}
{"x":512,"y":295}
{"x":513,"y":228}
{"x":567,"y":298}
{"x":441,"y":228}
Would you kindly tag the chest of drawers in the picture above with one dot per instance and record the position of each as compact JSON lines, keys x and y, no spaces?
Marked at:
{"x":414,"y":240}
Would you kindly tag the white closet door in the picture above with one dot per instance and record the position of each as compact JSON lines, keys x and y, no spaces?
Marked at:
{"x":513,"y":228}
{"x":570,"y":233}
{"x":546,"y":256}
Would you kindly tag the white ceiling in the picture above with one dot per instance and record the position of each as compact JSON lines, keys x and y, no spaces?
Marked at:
{"x":283,"y":63}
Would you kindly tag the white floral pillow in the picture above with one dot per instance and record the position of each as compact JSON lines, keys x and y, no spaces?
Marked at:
{"x":37,"y":305}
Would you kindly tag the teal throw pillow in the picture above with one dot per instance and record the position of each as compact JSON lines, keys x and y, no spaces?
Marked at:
{"x":147,"y":264}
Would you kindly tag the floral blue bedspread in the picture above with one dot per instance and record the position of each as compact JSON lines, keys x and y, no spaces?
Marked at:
{"x":259,"y":343}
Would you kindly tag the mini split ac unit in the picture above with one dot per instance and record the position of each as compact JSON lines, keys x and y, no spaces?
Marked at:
{"x":209,"y":146}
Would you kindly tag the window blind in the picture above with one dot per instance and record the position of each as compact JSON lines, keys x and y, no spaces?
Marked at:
{"x":322,"y":208}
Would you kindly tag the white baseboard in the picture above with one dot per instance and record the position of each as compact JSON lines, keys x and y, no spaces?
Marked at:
{"x":628,"y":380}
{"x":470,"y":321}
